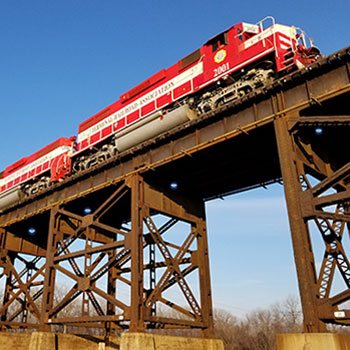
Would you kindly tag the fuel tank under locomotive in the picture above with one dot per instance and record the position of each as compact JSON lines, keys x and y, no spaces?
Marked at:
{"x":152,"y":126}
{"x":11,"y":196}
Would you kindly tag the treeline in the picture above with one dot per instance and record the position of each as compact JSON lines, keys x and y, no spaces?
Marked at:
{"x":258,"y":329}
{"x":255,"y":331}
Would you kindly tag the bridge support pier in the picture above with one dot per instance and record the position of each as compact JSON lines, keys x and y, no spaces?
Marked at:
{"x":304,"y":258}
{"x":137,"y":259}
{"x":127,"y":341}
{"x":314,"y":341}
{"x":143,"y":341}
{"x":315,"y":174}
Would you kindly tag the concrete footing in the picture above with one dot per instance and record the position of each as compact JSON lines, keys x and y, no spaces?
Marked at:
{"x":127,"y":341}
{"x":313,"y":341}
{"x":54,"y":341}
{"x":145,"y":341}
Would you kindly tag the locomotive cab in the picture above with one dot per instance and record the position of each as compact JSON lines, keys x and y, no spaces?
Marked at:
{"x":226,"y":52}
{"x":216,"y":51}
{"x":249,"y":56}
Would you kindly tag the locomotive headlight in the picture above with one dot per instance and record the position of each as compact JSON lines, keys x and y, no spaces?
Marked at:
{"x":173,"y":185}
{"x":318,"y":131}
{"x":31,"y":231}
{"x":87,"y":210}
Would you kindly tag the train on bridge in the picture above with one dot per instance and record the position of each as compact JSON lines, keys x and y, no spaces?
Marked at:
{"x":228,"y":66}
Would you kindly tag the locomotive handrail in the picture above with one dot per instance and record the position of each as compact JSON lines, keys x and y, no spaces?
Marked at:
{"x":303,"y":37}
{"x":260,"y":23}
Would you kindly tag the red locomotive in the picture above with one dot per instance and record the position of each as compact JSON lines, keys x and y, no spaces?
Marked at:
{"x":226,"y":67}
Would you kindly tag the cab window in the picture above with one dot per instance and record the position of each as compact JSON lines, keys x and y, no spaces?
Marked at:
{"x":240,"y":35}
{"x":243,"y":36}
{"x":219,"y":41}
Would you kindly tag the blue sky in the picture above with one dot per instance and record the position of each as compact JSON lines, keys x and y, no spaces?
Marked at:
{"x":63,"y":61}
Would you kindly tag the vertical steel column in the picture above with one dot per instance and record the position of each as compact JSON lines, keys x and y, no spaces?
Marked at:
{"x":191,"y":211}
{"x":8,"y":287}
{"x":87,"y":264}
{"x":3,"y":314}
{"x":50,"y":272}
{"x":303,"y":254}
{"x":6,"y":297}
{"x":204,"y":276}
{"x":111,"y":290}
{"x":136,"y":247}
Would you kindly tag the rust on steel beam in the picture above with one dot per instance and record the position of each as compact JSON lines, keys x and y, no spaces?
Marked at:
{"x":302,"y":156}
{"x":23,"y":287}
{"x":331,"y":215}
{"x":191,"y":211}
{"x":50,"y":272}
{"x":10,"y":242}
{"x":128,"y":217}
{"x":203,"y":257}
{"x":136,"y":250}
{"x":322,"y":120}
{"x":303,"y":254}
{"x":316,"y":174}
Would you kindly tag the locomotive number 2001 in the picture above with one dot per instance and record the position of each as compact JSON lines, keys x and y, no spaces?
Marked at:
{"x":221,"y":69}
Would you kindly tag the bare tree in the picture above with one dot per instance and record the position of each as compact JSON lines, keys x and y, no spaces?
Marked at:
{"x":257,"y":331}
{"x":226,"y":328}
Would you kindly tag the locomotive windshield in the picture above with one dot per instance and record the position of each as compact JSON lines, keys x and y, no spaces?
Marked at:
{"x":218,"y":41}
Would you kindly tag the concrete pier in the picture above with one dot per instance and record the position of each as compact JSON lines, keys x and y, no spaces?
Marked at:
{"x":127,"y":341}
{"x":54,"y":341}
{"x":144,"y":341}
{"x":313,"y":341}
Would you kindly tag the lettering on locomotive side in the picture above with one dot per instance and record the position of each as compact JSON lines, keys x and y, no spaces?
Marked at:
{"x":156,"y":93}
{"x":153,"y":95}
{"x":140,"y":102}
{"x":221,"y":69}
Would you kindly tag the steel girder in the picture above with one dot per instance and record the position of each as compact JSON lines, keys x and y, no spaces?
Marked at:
{"x":23,"y":287}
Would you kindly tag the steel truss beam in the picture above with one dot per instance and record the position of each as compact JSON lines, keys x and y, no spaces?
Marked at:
{"x":22,"y":289}
{"x":124,"y":273}
{"x":316,"y":185}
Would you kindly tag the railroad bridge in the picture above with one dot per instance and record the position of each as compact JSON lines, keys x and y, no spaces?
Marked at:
{"x":141,"y":246}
